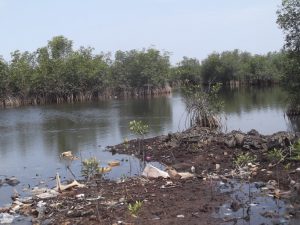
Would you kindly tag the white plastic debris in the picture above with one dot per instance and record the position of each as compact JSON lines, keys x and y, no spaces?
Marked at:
{"x":80,"y":196}
{"x":193,"y":169}
{"x":153,"y":172}
{"x":6,"y":218}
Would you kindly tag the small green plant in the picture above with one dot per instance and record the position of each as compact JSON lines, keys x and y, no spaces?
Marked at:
{"x":287,"y":166}
{"x":126,"y":143}
{"x":295,"y":151}
{"x":89,"y":167}
{"x":135,"y":208}
{"x":243,"y":159}
{"x":140,"y":129}
{"x":276,"y":155}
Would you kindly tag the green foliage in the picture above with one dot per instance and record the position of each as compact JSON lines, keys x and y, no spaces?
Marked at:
{"x":89,"y":167}
{"x":288,"y":20}
{"x":135,"y":208}
{"x":140,"y":68}
{"x":295,"y":151}
{"x":57,"y":72}
{"x":203,"y":107}
{"x":3,"y":78}
{"x":276,"y":155}
{"x":138,"y":127}
{"x":243,"y":159}
{"x":243,"y":67}
{"x":188,"y":71}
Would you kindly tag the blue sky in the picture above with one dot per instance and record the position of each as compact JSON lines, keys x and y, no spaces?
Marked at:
{"x":192,"y":28}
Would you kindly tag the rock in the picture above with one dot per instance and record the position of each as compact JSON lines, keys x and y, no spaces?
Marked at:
{"x":230,"y":142}
{"x":239,"y":138}
{"x":251,"y":144}
{"x":12,"y":181}
{"x":218,"y":166}
{"x":298,"y":170}
{"x":180,"y":216}
{"x":253,"y":132}
{"x":235,"y":206}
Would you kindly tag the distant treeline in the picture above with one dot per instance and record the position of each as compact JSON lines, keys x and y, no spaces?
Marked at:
{"x":58,"y":73}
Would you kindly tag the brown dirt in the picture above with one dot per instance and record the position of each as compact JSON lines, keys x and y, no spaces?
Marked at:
{"x":167,"y":201}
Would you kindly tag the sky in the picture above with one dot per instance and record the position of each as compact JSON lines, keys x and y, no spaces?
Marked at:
{"x":193,"y":28}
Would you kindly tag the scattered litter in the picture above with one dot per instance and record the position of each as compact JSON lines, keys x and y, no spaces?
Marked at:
{"x":104,"y":169}
{"x":186,"y":175}
{"x":193,"y":169}
{"x":60,"y":187}
{"x":6,"y":218}
{"x":114,"y":163}
{"x":153,"y":172}
{"x":80,"y":196}
{"x":68,"y":155}
{"x":180,"y":216}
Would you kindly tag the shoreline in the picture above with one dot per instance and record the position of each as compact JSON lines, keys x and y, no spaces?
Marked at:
{"x":173,"y":200}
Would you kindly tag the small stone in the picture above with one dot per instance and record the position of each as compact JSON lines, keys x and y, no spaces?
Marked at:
{"x":225,"y":153}
{"x":218,"y":166}
{"x":230,"y":142}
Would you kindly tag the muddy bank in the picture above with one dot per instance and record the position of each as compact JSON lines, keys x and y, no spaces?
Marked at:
{"x":204,"y":148}
{"x":212,"y":157}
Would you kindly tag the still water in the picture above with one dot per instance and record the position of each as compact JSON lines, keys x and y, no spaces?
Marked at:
{"x":33,"y":137}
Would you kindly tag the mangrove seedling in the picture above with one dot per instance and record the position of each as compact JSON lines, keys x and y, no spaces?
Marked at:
{"x":89,"y":167}
{"x":135,"y":208}
{"x":295,"y":151}
{"x":276,"y":155}
{"x":203,"y":107}
{"x":243,"y":159}
{"x":140,"y":129}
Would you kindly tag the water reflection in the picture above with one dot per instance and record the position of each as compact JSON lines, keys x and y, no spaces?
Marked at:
{"x":32,"y":137}
{"x":155,"y":112}
{"x":261,"y":108}
{"x":246,"y":99}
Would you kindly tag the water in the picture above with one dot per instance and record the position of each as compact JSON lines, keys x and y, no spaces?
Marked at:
{"x":33,"y":137}
{"x":254,"y":206}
